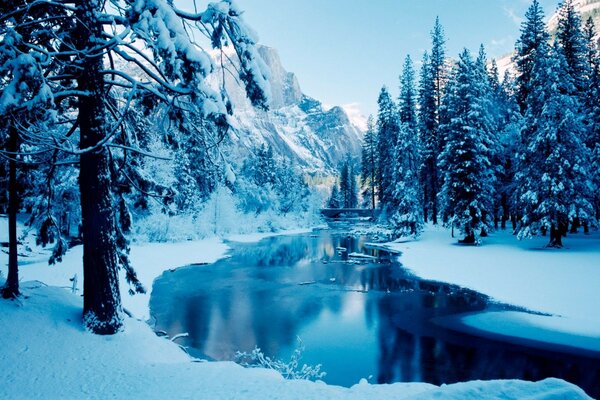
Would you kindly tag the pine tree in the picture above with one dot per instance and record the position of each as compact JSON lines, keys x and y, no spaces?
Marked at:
{"x":369,"y":163}
{"x":509,"y":126}
{"x":334,"y":198}
{"x":387,"y":137}
{"x":533,"y":34}
{"x":407,"y":218}
{"x":592,"y":109}
{"x":552,"y":173}
{"x":570,"y":37}
{"x":468,"y":176}
{"x":87,"y":92}
{"x":348,"y":191}
{"x":433,"y":80}
{"x":490,"y":122}
{"x":427,"y":142}
{"x":344,"y":185}
{"x":22,"y":87}
{"x":352,"y":187}
{"x":408,"y":96}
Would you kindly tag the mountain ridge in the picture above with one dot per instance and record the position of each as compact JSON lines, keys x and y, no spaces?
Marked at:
{"x":298,"y":127}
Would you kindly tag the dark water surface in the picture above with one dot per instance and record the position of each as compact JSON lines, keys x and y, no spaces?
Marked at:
{"x":359,"y":318}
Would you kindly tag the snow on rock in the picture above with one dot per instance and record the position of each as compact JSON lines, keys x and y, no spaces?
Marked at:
{"x":46,"y":354}
{"x":314,"y":137}
{"x":563,"y":283}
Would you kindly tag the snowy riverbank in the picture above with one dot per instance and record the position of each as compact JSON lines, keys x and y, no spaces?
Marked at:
{"x":560,"y":282}
{"x":150,"y":260}
{"x":47,"y":354}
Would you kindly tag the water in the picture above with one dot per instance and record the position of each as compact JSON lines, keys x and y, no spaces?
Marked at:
{"x":359,"y":318}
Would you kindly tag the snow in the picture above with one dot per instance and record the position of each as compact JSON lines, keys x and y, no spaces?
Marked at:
{"x":149,"y":261}
{"x":563,"y":283}
{"x":138,"y":364}
{"x":538,"y":330}
{"x":257,"y":236}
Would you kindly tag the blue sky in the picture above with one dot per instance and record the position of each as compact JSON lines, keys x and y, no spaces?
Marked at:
{"x":343,"y":51}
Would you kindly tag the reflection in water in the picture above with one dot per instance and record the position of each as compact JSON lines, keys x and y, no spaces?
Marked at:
{"x":357,"y":317}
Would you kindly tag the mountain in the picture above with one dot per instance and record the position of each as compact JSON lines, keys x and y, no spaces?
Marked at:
{"x":297,"y":126}
{"x":587,"y":8}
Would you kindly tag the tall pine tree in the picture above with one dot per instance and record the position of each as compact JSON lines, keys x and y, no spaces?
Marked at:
{"x":468,"y":176}
{"x":407,"y":218}
{"x":433,"y":80}
{"x":387,"y":137}
{"x":369,"y":163}
{"x":426,"y":125}
{"x":592,"y":109}
{"x":553,"y":164}
{"x":571,"y":39}
{"x":533,"y":34}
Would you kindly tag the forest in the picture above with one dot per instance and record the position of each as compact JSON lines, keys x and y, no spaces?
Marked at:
{"x":164,"y":189}
{"x":477,"y":151}
{"x":109,"y":124}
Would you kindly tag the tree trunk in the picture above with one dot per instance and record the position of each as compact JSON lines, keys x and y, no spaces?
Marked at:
{"x":101,"y":297}
{"x":575,"y":225}
{"x":11,"y":289}
{"x":555,"y":237}
{"x":504,"y":211}
{"x":434,"y":193}
{"x":425,"y":203}
{"x":372,"y":196}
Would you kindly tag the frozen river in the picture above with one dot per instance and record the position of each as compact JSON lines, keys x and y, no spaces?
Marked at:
{"x":359,"y":316}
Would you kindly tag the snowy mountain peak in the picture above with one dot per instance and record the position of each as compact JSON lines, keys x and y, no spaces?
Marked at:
{"x":297,"y":126}
{"x":285,"y":88}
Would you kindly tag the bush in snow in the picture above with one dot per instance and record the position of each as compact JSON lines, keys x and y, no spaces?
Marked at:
{"x":289,"y":370}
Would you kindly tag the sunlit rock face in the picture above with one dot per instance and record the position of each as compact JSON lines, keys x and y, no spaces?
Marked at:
{"x":298,"y":127}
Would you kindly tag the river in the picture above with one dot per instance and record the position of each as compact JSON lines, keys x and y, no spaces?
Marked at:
{"x":357,"y":312}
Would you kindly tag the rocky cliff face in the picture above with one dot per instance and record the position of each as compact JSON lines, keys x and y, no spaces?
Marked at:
{"x":296,"y":125}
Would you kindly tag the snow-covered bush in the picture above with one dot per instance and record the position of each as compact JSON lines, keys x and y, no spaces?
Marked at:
{"x":291,"y":369}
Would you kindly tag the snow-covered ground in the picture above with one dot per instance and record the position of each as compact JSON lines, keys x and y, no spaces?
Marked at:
{"x":561,"y":282}
{"x":45,"y":353}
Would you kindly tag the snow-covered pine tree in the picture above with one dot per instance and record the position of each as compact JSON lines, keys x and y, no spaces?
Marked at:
{"x":352,"y":185}
{"x":570,"y":38}
{"x":387,"y":137}
{"x":533,"y":34}
{"x":290,"y":187}
{"x":433,"y":80}
{"x":510,"y":121}
{"x":468,"y":187}
{"x":407,"y":217}
{"x":592,"y":109}
{"x":369,"y":164}
{"x":489,"y":124}
{"x":22,"y":87}
{"x":348,"y":190}
{"x":345,"y":184}
{"x":426,"y":125}
{"x":79,"y":49}
{"x":552,"y":174}
{"x":334,"y":198}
